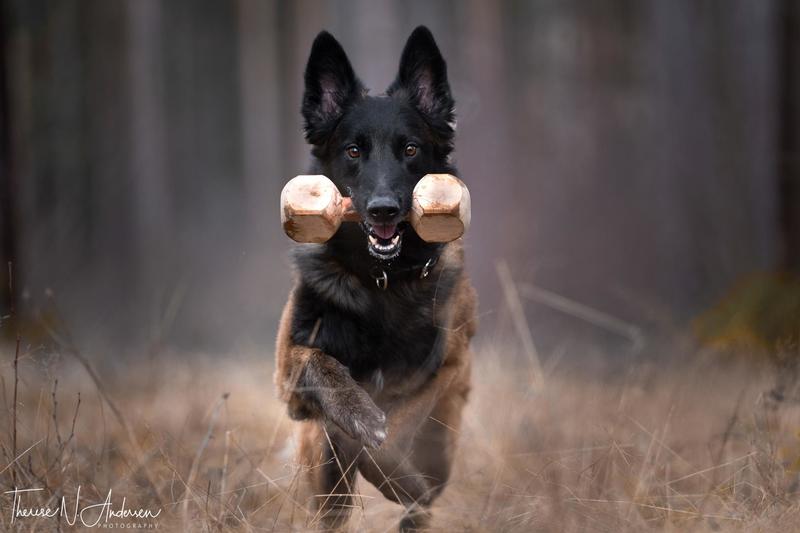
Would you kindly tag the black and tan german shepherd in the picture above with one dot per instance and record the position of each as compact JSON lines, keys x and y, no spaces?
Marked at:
{"x":373,"y":346}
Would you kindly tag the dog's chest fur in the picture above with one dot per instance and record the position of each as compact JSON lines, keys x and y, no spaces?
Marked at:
{"x":397,"y":334}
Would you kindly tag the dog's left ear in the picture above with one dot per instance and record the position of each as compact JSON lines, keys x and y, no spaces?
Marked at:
{"x":423,"y":78}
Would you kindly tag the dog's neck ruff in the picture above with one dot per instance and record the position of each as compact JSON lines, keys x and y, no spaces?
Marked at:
{"x":381,"y":277}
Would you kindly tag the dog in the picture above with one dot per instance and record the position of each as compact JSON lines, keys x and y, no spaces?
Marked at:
{"x":373,"y":353}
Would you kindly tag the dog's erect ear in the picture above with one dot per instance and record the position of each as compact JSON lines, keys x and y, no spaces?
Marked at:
{"x":331,"y":85}
{"x":423,"y":78}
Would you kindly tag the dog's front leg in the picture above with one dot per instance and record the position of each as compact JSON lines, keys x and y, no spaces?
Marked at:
{"x":322,"y":387}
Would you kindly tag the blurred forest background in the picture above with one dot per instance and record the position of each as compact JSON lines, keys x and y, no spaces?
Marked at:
{"x":638,"y":157}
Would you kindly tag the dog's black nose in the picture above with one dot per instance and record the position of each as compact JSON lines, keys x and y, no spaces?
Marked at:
{"x":383,"y":208}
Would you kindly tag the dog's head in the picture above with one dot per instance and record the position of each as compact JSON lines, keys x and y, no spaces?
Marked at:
{"x":376,"y":148}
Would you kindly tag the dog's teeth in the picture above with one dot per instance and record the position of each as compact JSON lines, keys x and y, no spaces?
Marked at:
{"x":384,"y":247}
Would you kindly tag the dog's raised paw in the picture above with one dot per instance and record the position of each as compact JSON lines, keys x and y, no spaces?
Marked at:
{"x":358,"y":416}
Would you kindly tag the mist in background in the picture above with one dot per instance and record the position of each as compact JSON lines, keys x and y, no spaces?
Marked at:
{"x":638,"y":157}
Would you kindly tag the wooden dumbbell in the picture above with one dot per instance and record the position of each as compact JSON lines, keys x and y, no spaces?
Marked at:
{"x":312,"y":209}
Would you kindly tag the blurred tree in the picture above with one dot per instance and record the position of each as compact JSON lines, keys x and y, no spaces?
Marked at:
{"x":8,"y":212}
{"x":788,"y":32}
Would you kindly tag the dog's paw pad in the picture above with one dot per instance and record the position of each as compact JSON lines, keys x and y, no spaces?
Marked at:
{"x":369,"y":427}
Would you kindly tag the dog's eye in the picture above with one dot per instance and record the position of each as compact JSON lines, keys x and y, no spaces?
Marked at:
{"x":411,"y":150}
{"x":353,"y":152}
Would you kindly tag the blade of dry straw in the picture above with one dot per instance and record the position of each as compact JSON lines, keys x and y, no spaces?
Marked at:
{"x":138,"y":453}
{"x":518,"y":317}
{"x":199,"y":453}
{"x":584,"y":312}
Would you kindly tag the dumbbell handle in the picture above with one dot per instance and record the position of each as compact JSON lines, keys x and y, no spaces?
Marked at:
{"x":349,"y":213}
{"x":312,"y":208}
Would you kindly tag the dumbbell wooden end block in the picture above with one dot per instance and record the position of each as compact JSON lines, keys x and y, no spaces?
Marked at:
{"x":312,"y":209}
{"x":441,"y":208}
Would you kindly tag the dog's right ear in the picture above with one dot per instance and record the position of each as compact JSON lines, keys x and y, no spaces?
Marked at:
{"x":422,"y":78}
{"x":331,"y":85}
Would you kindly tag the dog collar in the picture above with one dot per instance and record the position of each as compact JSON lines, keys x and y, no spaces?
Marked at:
{"x":382,"y":278}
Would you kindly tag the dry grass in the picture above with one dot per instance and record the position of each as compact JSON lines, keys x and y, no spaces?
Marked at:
{"x":693,"y":447}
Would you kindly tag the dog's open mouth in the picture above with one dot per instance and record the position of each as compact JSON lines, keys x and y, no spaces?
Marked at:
{"x":384,"y":240}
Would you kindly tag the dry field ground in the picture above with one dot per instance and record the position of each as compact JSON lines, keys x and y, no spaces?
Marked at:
{"x":701,"y":445}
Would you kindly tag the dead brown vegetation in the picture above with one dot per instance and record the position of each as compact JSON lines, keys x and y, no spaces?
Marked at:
{"x":700,"y":446}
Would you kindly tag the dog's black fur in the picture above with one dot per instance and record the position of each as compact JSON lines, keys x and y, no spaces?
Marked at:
{"x":366,"y":328}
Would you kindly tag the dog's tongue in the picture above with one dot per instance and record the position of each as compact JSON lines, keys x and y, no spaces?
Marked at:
{"x":384,"y":231}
